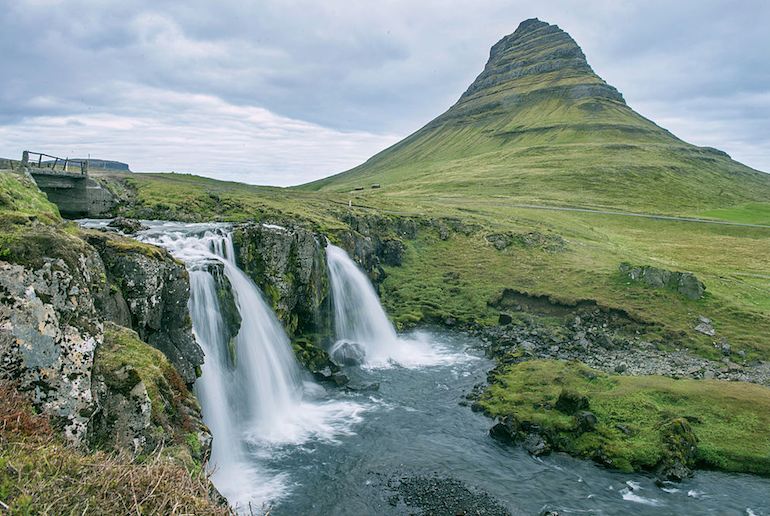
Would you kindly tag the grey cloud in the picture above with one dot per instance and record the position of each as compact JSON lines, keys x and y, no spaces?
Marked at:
{"x":375,"y":67}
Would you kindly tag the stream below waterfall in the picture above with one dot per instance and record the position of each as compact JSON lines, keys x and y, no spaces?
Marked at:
{"x":284,"y":443}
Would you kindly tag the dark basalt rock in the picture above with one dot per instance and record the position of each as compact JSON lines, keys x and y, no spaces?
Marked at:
{"x":149,"y":291}
{"x":536,"y":445}
{"x":506,"y":429}
{"x":231,"y":317}
{"x":126,"y":225}
{"x":289,"y":265}
{"x":347,"y":353}
{"x":585,"y":421}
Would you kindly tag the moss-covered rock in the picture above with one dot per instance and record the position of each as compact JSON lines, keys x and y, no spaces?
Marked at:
{"x":143,"y":402}
{"x":289,"y":265}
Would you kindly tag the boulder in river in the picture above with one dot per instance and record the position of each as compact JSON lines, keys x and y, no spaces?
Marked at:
{"x":348,"y":353}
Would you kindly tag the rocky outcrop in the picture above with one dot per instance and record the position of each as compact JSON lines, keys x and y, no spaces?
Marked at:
{"x":681,"y":450}
{"x":539,"y":61}
{"x":373,"y":241}
{"x":685,"y":283}
{"x":142,"y":400}
{"x":54,"y":299}
{"x":149,"y":291}
{"x":126,"y":225}
{"x":231,"y":317}
{"x":289,"y":265}
{"x":531,"y":240}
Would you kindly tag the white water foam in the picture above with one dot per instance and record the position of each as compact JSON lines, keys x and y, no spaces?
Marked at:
{"x":629,"y":494}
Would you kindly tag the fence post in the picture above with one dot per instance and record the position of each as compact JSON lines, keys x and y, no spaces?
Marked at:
{"x":25,"y":158}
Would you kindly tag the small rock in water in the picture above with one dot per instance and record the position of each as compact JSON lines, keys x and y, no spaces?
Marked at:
{"x":127,"y":226}
{"x":348,"y":353}
{"x":535,"y":445}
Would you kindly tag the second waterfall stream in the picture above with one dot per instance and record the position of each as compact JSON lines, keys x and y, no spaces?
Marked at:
{"x":254,"y":395}
{"x":363,"y":332}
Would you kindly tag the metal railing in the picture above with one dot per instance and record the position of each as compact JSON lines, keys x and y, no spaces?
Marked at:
{"x":52,"y":162}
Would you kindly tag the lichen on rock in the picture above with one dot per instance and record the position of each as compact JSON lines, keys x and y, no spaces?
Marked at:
{"x":49,"y":329}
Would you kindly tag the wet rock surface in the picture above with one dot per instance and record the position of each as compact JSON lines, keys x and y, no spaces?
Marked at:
{"x":126,"y":225}
{"x":288,"y":264}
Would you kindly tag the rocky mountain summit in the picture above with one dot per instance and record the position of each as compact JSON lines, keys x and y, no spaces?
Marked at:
{"x":536,"y":59}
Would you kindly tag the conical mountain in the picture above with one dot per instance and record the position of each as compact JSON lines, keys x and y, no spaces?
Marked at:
{"x":538,"y":125}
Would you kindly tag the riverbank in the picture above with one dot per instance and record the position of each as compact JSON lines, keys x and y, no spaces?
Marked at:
{"x":623,"y":402}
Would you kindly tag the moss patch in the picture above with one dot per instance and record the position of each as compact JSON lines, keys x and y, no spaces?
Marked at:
{"x":166,"y":389}
{"x":641,"y":419}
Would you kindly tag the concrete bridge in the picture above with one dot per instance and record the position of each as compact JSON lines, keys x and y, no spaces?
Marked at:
{"x":73,"y":191}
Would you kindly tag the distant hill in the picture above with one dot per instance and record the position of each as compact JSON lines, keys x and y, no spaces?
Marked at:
{"x":99,"y":164}
{"x":539,"y":125}
{"x":104,"y":164}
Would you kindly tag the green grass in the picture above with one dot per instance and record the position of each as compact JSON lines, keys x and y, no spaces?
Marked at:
{"x":457,"y":277}
{"x":730,"y":419}
{"x":752,"y":213}
{"x":195,"y":199}
{"x":21,"y":201}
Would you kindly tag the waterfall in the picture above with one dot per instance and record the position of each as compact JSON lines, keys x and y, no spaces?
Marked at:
{"x":358,"y":316}
{"x":363,"y":332}
{"x":260,"y":400}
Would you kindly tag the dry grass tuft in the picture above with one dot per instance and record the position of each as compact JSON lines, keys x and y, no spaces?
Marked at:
{"x":39,"y":474}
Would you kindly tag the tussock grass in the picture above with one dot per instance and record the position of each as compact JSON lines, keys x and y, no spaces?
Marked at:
{"x":39,"y":474}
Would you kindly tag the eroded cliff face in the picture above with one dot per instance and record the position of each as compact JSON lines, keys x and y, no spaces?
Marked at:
{"x":148,"y":293}
{"x":289,"y":265}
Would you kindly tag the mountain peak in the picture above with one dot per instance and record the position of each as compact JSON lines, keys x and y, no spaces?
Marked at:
{"x":537,"y":58}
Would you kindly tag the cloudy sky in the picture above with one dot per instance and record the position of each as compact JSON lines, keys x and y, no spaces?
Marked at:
{"x":285,"y":91}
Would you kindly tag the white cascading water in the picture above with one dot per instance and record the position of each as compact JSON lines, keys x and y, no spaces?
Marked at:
{"x":262,"y":402}
{"x":360,"y":319}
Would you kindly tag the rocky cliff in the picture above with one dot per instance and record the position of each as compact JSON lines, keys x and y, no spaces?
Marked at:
{"x":148,"y":292}
{"x":80,"y":313}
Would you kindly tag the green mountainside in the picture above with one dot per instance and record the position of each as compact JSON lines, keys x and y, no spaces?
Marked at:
{"x":539,"y":125}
